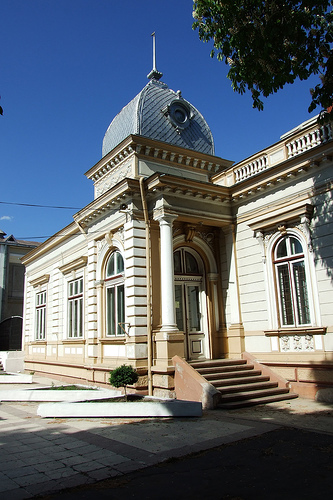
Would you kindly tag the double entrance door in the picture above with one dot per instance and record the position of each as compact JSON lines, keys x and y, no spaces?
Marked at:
{"x":190,"y":302}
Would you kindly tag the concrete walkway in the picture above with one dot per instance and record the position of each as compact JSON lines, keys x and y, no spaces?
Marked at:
{"x":41,"y":456}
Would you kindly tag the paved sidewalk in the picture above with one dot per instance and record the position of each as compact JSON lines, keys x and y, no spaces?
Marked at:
{"x":40,"y":456}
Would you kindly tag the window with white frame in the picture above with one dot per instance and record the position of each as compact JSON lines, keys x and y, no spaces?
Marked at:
{"x":40,"y":315}
{"x":291,"y":281}
{"x":75,"y":308}
{"x":115,"y":295}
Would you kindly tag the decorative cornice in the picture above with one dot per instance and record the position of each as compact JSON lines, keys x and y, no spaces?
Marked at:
{"x":311,"y":330}
{"x":108,"y":201}
{"x":281,"y":216}
{"x":180,"y":187}
{"x":41,"y":280}
{"x":157,"y":151}
{"x":74,"y":265}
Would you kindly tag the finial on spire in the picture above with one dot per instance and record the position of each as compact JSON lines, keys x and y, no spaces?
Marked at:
{"x":154,"y":74}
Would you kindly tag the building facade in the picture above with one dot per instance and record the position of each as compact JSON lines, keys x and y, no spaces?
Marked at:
{"x":184,"y":253}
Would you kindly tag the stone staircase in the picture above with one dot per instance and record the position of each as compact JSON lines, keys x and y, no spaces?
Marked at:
{"x":240,"y":383}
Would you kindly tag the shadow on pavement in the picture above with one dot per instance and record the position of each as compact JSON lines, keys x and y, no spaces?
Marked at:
{"x":285,"y":463}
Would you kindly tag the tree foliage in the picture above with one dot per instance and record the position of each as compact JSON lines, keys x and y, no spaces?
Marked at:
{"x":123,"y":376}
{"x":268,"y":44}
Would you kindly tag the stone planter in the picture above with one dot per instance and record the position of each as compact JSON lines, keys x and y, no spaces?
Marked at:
{"x":15,"y":378}
{"x":54,"y":395}
{"x":158,"y":408}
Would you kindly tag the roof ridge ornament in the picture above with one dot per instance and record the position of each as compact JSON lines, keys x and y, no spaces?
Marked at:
{"x":154,"y":74}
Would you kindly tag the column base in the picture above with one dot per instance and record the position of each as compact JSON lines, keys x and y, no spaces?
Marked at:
{"x":168,"y":344}
{"x":236,"y":340}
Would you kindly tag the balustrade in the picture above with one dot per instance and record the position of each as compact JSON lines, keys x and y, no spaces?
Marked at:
{"x":295,"y":147}
{"x":309,"y":140}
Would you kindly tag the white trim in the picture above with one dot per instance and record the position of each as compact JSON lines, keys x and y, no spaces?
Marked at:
{"x":311,"y":281}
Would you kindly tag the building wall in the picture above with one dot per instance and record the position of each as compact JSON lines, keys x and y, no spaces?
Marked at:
{"x":256,"y":279}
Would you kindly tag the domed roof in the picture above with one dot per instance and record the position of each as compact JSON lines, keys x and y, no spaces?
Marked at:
{"x":160,"y":113}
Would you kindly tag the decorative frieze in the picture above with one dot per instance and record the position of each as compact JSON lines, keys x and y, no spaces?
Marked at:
{"x":296,"y":343}
{"x":114,"y":176}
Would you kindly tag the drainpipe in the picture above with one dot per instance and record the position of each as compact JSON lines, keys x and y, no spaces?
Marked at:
{"x":149,"y":325}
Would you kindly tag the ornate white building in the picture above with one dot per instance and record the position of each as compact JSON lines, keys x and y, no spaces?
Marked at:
{"x":183,"y":253}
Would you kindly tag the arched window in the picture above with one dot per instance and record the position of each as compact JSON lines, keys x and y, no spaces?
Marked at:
{"x":185,"y":262}
{"x":115,"y":294}
{"x":290,"y":272}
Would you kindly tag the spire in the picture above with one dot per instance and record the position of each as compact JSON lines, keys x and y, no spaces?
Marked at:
{"x":154,"y":74}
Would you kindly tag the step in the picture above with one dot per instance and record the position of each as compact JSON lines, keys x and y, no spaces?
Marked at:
{"x":216,"y":362}
{"x":260,"y":386}
{"x":246,"y":374}
{"x":230,"y":382}
{"x":240,"y":396}
{"x":226,"y":369}
{"x":257,"y":401}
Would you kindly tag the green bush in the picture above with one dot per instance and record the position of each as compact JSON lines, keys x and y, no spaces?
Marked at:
{"x":123,"y":376}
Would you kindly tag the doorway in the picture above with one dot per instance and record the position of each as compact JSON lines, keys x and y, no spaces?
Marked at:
{"x":190,"y":302}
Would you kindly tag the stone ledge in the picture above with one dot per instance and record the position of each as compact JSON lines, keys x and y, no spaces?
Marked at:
{"x":57,"y":395}
{"x":153,"y":409}
{"x":16,"y":378}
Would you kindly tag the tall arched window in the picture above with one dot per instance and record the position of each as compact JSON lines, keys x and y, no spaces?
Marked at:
{"x":115,"y":294}
{"x":290,"y":272}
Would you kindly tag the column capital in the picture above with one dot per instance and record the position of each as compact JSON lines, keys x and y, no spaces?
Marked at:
{"x":164,"y":217}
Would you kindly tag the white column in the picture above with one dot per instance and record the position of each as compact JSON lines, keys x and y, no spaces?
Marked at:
{"x":167,"y":274}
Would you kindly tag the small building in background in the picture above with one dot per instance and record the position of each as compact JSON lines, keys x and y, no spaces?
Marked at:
{"x":11,"y":299}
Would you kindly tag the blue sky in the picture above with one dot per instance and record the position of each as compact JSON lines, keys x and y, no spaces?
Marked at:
{"x":67,"y":67}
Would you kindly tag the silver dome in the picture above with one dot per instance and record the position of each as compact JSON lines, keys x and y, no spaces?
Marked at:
{"x":160,"y":113}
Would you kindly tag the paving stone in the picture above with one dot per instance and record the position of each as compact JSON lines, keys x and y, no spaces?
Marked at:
{"x":7,"y":484}
{"x":49,"y":466}
{"x":21,"y":471}
{"x":101,"y":474}
{"x":73,"y":445}
{"x":60,"y":473}
{"x":129,"y":466}
{"x":41,"y":488}
{"x":76,"y":480}
{"x":88,"y":466}
{"x":30,"y":479}
{"x":37,"y":458}
{"x":62,"y":441}
{"x":75,"y":460}
{"x":113,"y":459}
{"x":17,"y":494}
{"x":60,"y":454}
{"x":11,"y":464}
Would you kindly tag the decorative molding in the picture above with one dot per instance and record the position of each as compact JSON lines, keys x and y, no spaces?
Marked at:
{"x":260,"y":239}
{"x":311,"y":330}
{"x":281,"y":217}
{"x":305,"y":228}
{"x":189,"y":232}
{"x":40,"y":281}
{"x":74,"y":265}
{"x":114,"y":176}
{"x":208,"y":239}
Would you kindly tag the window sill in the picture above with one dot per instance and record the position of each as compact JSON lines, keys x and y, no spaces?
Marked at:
{"x":74,"y":340}
{"x":305,"y":330}
{"x":112,"y":340}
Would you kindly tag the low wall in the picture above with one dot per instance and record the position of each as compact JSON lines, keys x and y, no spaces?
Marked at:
{"x":191,"y":386}
{"x":312,"y":380}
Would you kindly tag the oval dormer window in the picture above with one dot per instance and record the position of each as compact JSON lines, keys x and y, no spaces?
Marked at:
{"x":179,"y":114}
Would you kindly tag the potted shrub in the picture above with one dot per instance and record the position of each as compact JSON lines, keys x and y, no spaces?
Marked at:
{"x":123,"y":376}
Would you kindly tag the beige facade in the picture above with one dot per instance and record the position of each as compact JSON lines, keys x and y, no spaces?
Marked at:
{"x":183,"y":253}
